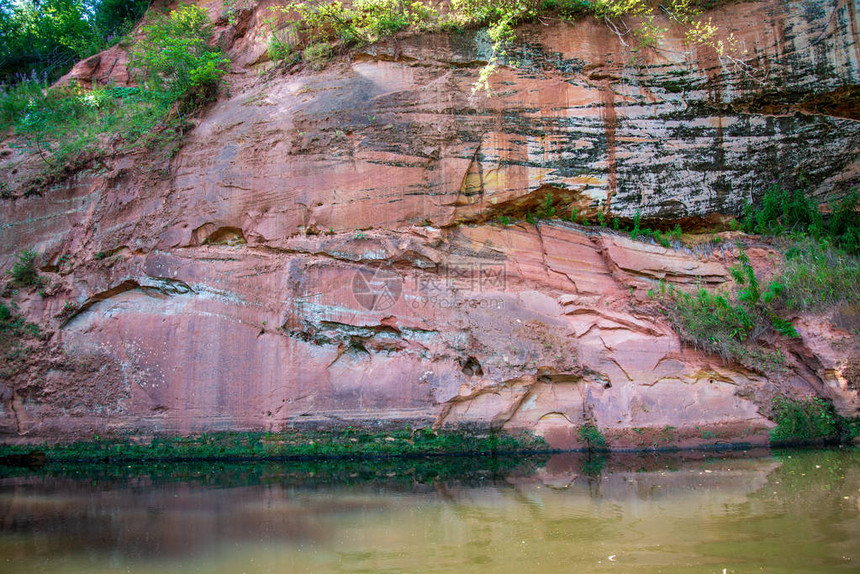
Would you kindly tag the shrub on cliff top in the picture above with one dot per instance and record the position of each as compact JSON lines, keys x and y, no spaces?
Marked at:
{"x":318,"y":22}
{"x":367,"y":21}
{"x":175,"y":57}
{"x":68,"y":126}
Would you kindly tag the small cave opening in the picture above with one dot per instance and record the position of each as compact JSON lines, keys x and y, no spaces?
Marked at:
{"x":471,"y":367}
{"x":209,"y":234}
{"x":357,"y":350}
{"x":226,"y":236}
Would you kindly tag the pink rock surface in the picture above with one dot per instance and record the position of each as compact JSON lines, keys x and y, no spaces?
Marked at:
{"x":102,"y":69}
{"x":325,"y":247}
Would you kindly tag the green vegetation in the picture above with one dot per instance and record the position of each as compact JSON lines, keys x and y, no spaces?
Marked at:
{"x":43,"y":38}
{"x":810,"y":419}
{"x":793,"y":213}
{"x":13,"y":325}
{"x":14,"y":334}
{"x":821,"y":264}
{"x":316,"y":26}
{"x":318,"y":55}
{"x":70,"y":126}
{"x":818,"y":275}
{"x":590,"y":434}
{"x":821,"y":270}
{"x":23,"y":272}
{"x":548,"y":209}
{"x":348,"y":442}
{"x":16,"y":99}
{"x":280,"y":50}
{"x":175,"y":58}
{"x":636,"y":231}
{"x":665,"y":240}
{"x":729,"y":325}
{"x":367,"y":21}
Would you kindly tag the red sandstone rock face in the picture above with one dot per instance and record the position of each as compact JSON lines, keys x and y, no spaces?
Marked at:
{"x":237,"y":291}
{"x":517,"y":327}
{"x":108,"y":67}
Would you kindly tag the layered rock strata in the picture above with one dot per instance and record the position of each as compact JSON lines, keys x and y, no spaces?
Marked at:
{"x":330,"y":247}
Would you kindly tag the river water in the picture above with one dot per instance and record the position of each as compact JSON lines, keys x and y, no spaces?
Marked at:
{"x":787,"y":511}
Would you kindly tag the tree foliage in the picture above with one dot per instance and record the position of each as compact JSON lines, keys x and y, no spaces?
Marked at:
{"x":45,"y":37}
{"x":69,"y":126}
{"x":174,"y":55}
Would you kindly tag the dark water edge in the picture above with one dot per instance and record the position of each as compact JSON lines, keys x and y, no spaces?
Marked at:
{"x":293,"y":445}
{"x":346,"y":446}
{"x":792,"y":510}
{"x":409,"y":469}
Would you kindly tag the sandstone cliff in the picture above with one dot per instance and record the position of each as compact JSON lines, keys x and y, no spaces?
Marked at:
{"x":325,"y":246}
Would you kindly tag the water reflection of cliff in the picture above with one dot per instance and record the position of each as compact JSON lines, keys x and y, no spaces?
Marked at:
{"x":567,"y":513}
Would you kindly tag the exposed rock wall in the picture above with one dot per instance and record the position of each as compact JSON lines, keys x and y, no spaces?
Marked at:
{"x":581,"y":114}
{"x":231,"y":287}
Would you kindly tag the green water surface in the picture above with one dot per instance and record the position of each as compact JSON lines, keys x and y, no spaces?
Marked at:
{"x":791,"y":511}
